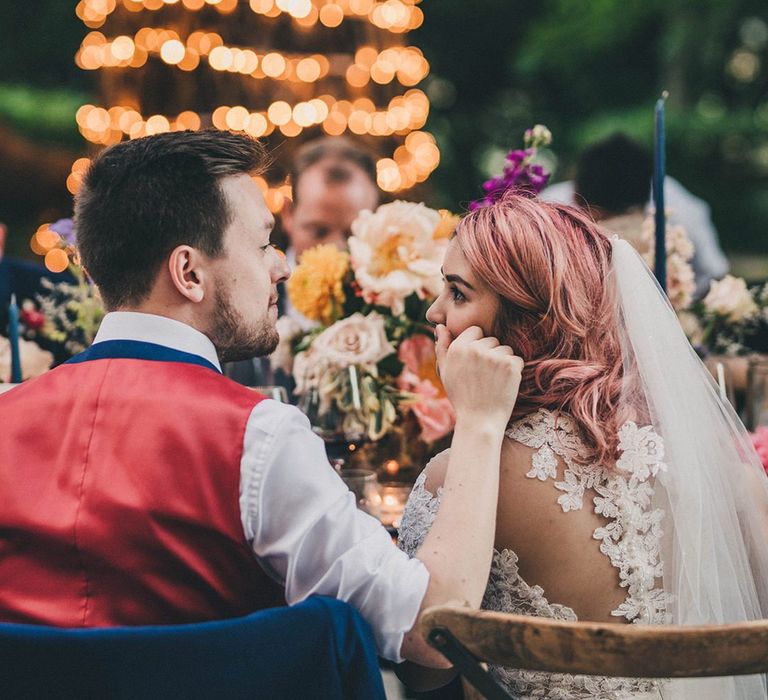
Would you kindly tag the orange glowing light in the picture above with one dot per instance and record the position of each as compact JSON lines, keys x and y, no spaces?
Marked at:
{"x":357,"y":76}
{"x":35,"y":246}
{"x":304,"y":114}
{"x":81,"y":165}
{"x":331,"y":15}
{"x":274,"y":199}
{"x":157,"y":124}
{"x":122,"y":48}
{"x":279,"y":113}
{"x":73,"y":184}
{"x":56,"y":260}
{"x":46,"y":238}
{"x":219,"y":117}
{"x":391,"y":466}
{"x":237,"y":118}
{"x":172,"y":52}
{"x":335,"y":124}
{"x":188,"y":120}
{"x":290,"y":129}
{"x":262,"y":7}
{"x":273,"y":65}
{"x":388,"y":175}
{"x":366,"y":56}
{"x":257,"y":124}
{"x":308,"y":70}
{"x":220,"y":58}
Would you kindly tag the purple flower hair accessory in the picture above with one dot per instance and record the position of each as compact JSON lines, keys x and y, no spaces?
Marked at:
{"x":520,"y":173}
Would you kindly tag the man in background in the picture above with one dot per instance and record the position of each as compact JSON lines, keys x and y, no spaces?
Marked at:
{"x":333,"y":180}
{"x":612,"y":180}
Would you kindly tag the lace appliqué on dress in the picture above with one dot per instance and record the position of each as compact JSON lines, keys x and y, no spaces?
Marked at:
{"x":630,"y":540}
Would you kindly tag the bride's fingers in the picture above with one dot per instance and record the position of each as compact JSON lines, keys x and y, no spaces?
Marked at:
{"x":443,"y":339}
{"x":487,"y":342}
{"x":504,"y":349}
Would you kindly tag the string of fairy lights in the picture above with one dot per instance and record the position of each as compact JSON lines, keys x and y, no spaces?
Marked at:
{"x":397,"y":16}
{"x":368,"y":89}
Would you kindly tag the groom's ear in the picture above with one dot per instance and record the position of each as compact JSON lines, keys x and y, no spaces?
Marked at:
{"x":186,"y":268}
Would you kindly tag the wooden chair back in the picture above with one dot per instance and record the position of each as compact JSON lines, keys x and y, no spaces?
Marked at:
{"x":603,"y":649}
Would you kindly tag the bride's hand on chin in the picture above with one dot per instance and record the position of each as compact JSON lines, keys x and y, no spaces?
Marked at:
{"x":480,"y":376}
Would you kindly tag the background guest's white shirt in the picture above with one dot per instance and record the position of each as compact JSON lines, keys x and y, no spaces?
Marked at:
{"x":688,"y":210}
{"x":300,"y":518}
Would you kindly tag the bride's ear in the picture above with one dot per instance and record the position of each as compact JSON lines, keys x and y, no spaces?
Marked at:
{"x":187,"y":272}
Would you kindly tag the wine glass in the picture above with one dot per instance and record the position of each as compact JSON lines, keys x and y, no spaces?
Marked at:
{"x":332,"y":423}
{"x":364,"y":484}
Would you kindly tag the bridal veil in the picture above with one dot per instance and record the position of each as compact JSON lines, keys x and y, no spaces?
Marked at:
{"x":712,"y":488}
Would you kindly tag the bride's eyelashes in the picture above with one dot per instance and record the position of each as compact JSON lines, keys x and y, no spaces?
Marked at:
{"x":456,"y":295}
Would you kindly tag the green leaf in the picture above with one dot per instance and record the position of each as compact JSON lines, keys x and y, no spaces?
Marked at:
{"x":390,"y":365}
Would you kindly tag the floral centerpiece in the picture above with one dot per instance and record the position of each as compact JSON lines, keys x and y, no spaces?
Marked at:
{"x":368,"y":367}
{"x":730,"y":327}
{"x":70,"y":313}
{"x":733,"y":318}
{"x":681,"y":280}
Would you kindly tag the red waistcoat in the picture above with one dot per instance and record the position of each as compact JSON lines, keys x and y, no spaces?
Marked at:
{"x":119,"y":493}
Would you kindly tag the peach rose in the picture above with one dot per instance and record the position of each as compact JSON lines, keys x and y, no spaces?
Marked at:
{"x":730,"y":297}
{"x":394,"y":253}
{"x":356,"y":340}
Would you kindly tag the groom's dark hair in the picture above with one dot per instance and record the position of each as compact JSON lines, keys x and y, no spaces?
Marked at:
{"x":142,"y":198}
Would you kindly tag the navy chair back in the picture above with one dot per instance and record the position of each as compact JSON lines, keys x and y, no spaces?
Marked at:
{"x":321,"y":648}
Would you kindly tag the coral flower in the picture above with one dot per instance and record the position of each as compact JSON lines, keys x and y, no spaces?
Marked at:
{"x":432,"y":409}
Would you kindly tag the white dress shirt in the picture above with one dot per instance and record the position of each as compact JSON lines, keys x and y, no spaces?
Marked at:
{"x":298,"y":515}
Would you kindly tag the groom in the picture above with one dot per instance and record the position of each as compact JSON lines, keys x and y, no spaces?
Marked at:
{"x":138,"y":485}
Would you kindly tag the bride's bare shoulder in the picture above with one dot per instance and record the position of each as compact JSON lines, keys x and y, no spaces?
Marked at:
{"x":522,"y":496}
{"x":435,"y":471}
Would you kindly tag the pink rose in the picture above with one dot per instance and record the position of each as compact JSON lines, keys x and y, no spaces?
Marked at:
{"x":432,"y":409}
{"x":760,"y":442}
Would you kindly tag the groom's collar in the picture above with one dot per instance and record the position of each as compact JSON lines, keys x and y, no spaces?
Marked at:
{"x":159,"y":330}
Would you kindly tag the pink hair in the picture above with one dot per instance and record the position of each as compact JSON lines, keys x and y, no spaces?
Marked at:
{"x":550,"y":265}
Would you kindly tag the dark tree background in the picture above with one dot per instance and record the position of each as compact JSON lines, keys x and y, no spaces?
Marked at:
{"x":583,"y":67}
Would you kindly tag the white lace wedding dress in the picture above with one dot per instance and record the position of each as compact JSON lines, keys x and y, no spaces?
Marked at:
{"x":630,"y":539}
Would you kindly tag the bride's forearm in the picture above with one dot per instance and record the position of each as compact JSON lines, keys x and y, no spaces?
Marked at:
{"x":459,"y":547}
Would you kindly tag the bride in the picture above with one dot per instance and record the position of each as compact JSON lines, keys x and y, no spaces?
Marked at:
{"x":629,"y":492}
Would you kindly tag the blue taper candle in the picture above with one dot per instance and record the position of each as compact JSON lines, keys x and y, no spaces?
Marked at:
{"x":13,"y":337}
{"x":659,"y":173}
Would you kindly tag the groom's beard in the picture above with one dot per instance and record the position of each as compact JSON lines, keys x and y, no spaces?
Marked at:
{"x":232,"y":337}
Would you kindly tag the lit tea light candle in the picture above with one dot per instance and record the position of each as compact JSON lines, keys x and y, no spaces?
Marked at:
{"x":393,"y":500}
